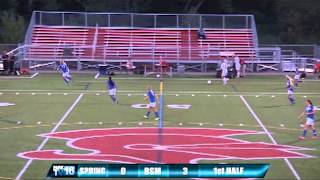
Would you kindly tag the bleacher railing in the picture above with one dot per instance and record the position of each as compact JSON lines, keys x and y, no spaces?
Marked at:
{"x":145,"y":20}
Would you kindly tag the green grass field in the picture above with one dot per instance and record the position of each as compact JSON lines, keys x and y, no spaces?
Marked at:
{"x":41,"y":102}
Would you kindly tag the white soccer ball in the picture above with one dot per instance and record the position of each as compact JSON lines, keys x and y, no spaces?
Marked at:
{"x":158,"y":75}
{"x":209,"y":82}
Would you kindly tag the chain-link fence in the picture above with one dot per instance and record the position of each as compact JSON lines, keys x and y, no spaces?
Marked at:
{"x":132,"y":20}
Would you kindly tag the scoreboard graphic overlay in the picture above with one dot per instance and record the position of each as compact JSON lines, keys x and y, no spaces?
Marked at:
{"x":158,"y":170}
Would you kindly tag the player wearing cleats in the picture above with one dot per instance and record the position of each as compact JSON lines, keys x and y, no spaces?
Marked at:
{"x":152,"y":106}
{"x":65,"y":72}
{"x":112,"y":87}
{"x":309,"y":112}
{"x":290,"y":87}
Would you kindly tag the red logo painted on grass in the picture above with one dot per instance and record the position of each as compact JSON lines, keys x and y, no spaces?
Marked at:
{"x":176,"y":145}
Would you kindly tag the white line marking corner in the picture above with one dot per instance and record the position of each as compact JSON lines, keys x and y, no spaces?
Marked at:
{"x":26,"y":166}
{"x":295,"y":173}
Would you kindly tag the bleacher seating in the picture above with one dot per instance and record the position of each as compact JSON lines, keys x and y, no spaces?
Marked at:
{"x":115,"y":44}
{"x":50,"y":42}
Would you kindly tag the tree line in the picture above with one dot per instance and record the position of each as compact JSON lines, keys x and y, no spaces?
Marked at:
{"x":278,"y":21}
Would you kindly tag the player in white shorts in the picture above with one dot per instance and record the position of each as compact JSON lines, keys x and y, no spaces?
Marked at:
{"x":152,"y":106}
{"x":224,"y":72}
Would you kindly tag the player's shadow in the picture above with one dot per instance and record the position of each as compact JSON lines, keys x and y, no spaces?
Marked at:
{"x":104,"y":103}
{"x":293,"y":142}
{"x":280,"y":88}
{"x":7,"y":121}
{"x":123,"y":104}
{"x":82,"y":84}
{"x":275,"y":106}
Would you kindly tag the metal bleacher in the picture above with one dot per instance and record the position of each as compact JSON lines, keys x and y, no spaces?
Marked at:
{"x":117,"y":38}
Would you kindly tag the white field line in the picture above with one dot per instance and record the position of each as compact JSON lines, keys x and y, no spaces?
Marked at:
{"x":97,"y":76}
{"x":149,"y":78}
{"x":200,"y":82}
{"x":168,"y":92}
{"x":192,"y":79}
{"x":102,"y":93}
{"x":20,"y":77}
{"x":295,"y":173}
{"x":26,"y":166}
{"x":34,"y":75}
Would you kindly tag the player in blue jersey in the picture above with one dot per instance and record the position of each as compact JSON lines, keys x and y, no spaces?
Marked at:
{"x":112,"y":87}
{"x":152,"y":106}
{"x":290,"y":86}
{"x":309,"y":112}
{"x":65,"y":72}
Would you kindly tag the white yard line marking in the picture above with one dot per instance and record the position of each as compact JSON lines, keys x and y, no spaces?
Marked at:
{"x":6,"y":178}
{"x":168,"y":92}
{"x":151,"y":78}
{"x":97,"y":76}
{"x":192,"y":80}
{"x":34,"y":75}
{"x":20,"y":77}
{"x":295,"y":173}
{"x":196,"y":79}
{"x":145,"y":122}
{"x":26,"y":166}
{"x":14,"y":77}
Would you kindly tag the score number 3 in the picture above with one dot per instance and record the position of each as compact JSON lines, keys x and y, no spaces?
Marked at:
{"x":185,"y":171}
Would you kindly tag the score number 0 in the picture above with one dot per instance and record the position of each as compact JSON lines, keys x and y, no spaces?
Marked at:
{"x":123,"y":171}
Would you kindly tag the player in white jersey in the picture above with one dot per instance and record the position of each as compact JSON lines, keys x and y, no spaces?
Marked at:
{"x":297,"y":77}
{"x":224,"y":72}
{"x":238,"y":65}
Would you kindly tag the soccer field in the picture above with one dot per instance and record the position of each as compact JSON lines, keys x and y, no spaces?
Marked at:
{"x":261,"y":125}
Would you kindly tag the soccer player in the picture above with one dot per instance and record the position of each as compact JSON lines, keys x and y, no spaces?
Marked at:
{"x":65,"y":72}
{"x":152,"y":106}
{"x":238,"y":65}
{"x":224,"y":72}
{"x":243,"y":66}
{"x":297,"y":78}
{"x":309,"y":113}
{"x":112,"y":90}
{"x":290,"y":87}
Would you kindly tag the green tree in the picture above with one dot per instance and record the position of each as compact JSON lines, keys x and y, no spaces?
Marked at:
{"x":12,"y":27}
{"x":298,"y":21}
